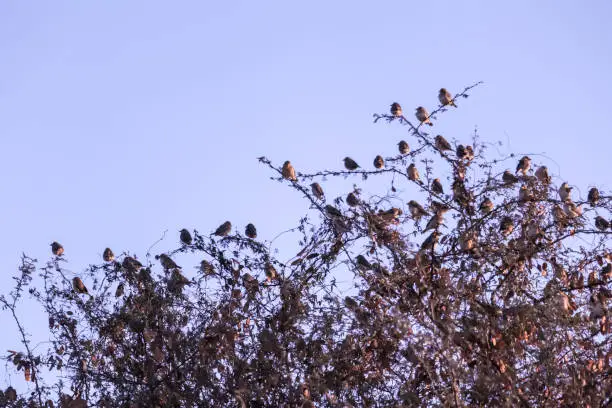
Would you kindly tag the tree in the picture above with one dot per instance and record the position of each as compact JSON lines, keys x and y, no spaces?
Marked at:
{"x":488,"y":287}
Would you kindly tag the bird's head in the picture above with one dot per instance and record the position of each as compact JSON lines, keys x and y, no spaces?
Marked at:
{"x":443,"y":90}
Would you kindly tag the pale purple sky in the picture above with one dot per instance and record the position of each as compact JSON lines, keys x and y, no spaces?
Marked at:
{"x":121,"y":119}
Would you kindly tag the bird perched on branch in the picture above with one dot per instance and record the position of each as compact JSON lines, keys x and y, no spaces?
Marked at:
{"x":431,"y":241}
{"x":509,"y":178}
{"x":601,"y":223}
{"x":108,"y":255}
{"x":317,"y":190}
{"x":288,"y":171}
{"x":333,"y":211}
{"x":486,"y":206}
{"x":56,"y":248}
{"x":223,"y":229}
{"x":78,"y":286}
{"x":436,"y":186}
{"x":185,"y":236}
{"x":506,"y":226}
{"x":413,"y":173}
{"x":442,"y":144}
{"x":352,"y":200}
{"x":565,"y":192}
{"x":379,"y":162}
{"x":593,"y":196}
{"x":416,"y":210}
{"x":250,"y":231}
{"x":166,"y":262}
{"x":350,"y":164}
{"x":423,"y":116}
{"x":542,"y":174}
{"x":523,"y":165}
{"x":396,"y":109}
{"x":446,"y":98}
{"x":403,"y":147}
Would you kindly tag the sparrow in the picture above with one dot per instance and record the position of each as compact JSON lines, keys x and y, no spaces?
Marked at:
{"x":601,"y":223}
{"x":350,"y":164}
{"x":565,"y":192}
{"x":431,"y":241}
{"x":486,"y":206}
{"x":250,"y":231}
{"x":403,"y":147}
{"x":593,"y":196}
{"x":509,"y":178}
{"x":467,"y":241}
{"x":436,"y":186}
{"x":56,"y":248}
{"x":166,"y":262}
{"x":179,"y":278}
{"x":423,"y":116}
{"x":379,"y":162}
{"x":108,"y":255}
{"x":524,"y":194}
{"x":506,"y":226}
{"x":78,"y":285}
{"x":396,"y":109}
{"x":362,"y":263}
{"x":391,"y":215}
{"x":288,"y":171}
{"x":572,"y":210}
{"x":461,"y":152}
{"x":542,"y":174}
{"x":224,"y":229}
{"x":120,"y":290}
{"x":439,"y":207}
{"x":206,"y":268}
{"x":332,"y":211}
{"x":413,"y":173}
{"x":185,"y":237}
{"x":270,"y":271}
{"x":317,"y":190}
{"x":469,"y":153}
{"x":416,"y":210}
{"x":131,"y":264}
{"x":352,"y":200}
{"x":434,"y":222}
{"x":559,"y":216}
{"x":446,"y":98}
{"x":441,"y":143}
{"x":524,"y":165}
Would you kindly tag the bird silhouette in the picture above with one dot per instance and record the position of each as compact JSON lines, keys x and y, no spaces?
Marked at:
{"x":593,"y":196}
{"x":108,"y":255}
{"x":78,"y":285}
{"x":379,"y":162}
{"x":436,"y":186}
{"x":223,"y":229}
{"x":185,"y":237}
{"x":250,"y":231}
{"x":350,"y":164}
{"x":57,"y":249}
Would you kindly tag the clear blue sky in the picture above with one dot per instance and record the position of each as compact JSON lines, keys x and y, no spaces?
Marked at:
{"x":121,"y":119}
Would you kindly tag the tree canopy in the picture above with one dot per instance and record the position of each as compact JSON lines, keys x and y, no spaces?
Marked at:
{"x":477,"y":280}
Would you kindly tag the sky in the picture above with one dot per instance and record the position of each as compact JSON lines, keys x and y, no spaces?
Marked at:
{"x":122,"y":119}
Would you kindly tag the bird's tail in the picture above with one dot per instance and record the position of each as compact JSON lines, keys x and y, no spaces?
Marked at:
{"x":452,"y":103}
{"x":429,"y":122}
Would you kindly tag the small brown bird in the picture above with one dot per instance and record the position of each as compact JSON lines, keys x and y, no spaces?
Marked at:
{"x":250,"y":231}
{"x":423,"y":116}
{"x":185,"y":237}
{"x":446,"y":98}
{"x":431,"y":241}
{"x":10,"y":394}
{"x":350,"y":164}
{"x":565,"y":192}
{"x":396,"y":109}
{"x":224,"y":229}
{"x":120,"y":290}
{"x":416,"y":210}
{"x":379,"y":162}
{"x":436,"y":186}
{"x":166,"y":262}
{"x":442,"y":144}
{"x":524,"y":194}
{"x":288,"y":171}
{"x":131,"y":264}
{"x":486,"y":206}
{"x":461,"y":152}
{"x":413,"y":173}
{"x":206,"y":268}
{"x":332,"y":211}
{"x":467,"y":241}
{"x":56,"y":248}
{"x":403,"y":147}
{"x":317,"y":190}
{"x":572,"y":210}
{"x":523,"y":165}
{"x":506,"y":226}
{"x":469,"y":153}
{"x":434,"y":222}
{"x":108,"y":255}
{"x":362,"y":263}
{"x":179,"y":278}
{"x":78,"y":286}
{"x":601,"y":223}
{"x":593,"y":196}
{"x":542,"y":174}
{"x":352,"y":200}
{"x":509,"y":178}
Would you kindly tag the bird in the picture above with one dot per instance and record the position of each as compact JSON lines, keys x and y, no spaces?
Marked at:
{"x":446,"y":98}
{"x":524,"y":194}
{"x":413,"y":173}
{"x":423,"y":116}
{"x":416,"y":210}
{"x":179,"y":278}
{"x":56,"y":248}
{"x":461,"y":152}
{"x":436,"y":186}
{"x":10,"y":394}
{"x":559,"y":216}
{"x":352,"y":200}
{"x":350,"y":164}
{"x":206,"y":267}
{"x":509,"y":178}
{"x":288,"y":171}
{"x":431,"y":241}
{"x":469,"y":153}
{"x":391,"y":215}
{"x":601,"y":223}
{"x":506,"y":226}
{"x":486,"y":206}
{"x":403,"y":147}
{"x":379,"y":162}
{"x":108,"y":255}
{"x":185,"y":236}
{"x":565,"y":192}
{"x":467,"y":241}
{"x":167,"y":262}
{"x":542,"y":174}
{"x":270,"y":271}
{"x":78,"y":285}
{"x":250,"y":231}
{"x":131,"y":264}
{"x":434,"y":222}
{"x":317,"y":190}
{"x":332,"y":211}
{"x":362,"y":263}
{"x":441,"y":143}
{"x":396,"y":109}
{"x":524,"y":165}
{"x":593,"y":196}
{"x":120,"y":290}
{"x":572,"y":210}
{"x":223,"y":229}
